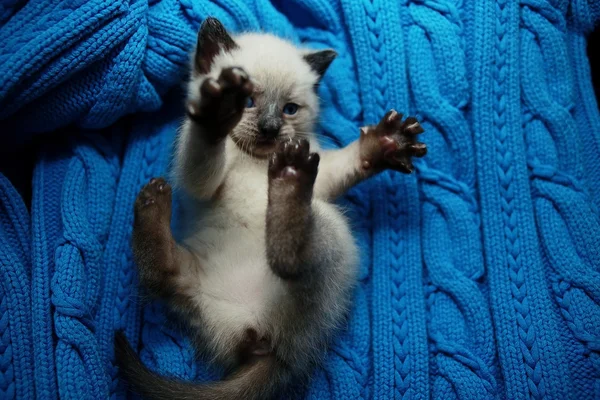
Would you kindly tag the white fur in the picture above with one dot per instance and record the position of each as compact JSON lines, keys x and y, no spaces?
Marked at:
{"x":235,"y":284}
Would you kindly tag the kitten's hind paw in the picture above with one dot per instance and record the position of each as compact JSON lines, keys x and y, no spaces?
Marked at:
{"x":293,"y":161}
{"x":153,"y":203}
{"x":222,"y":102}
{"x":392,"y":143}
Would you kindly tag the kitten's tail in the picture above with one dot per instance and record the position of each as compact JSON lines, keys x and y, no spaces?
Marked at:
{"x":259,"y":380}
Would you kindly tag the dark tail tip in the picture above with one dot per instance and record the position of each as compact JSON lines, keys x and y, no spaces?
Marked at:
{"x":126,"y":358}
{"x":134,"y":373}
{"x":123,"y":350}
{"x":120,"y":340}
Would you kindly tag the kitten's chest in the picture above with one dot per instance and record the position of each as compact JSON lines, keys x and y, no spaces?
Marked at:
{"x":243,"y":196}
{"x":237,"y":288}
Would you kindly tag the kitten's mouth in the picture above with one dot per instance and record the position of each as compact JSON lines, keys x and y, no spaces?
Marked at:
{"x":264,"y":147}
{"x":260,"y":142}
{"x":259,"y":147}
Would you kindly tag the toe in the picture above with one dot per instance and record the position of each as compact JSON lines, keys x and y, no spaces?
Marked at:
{"x":211,"y":88}
{"x":240,"y":76}
{"x":304,"y":147}
{"x":247,"y":88}
{"x":162,"y":187}
{"x":412,"y":127}
{"x":312,"y":163}
{"x":418,"y":149}
{"x":392,"y":117}
{"x":406,"y":166}
{"x":291,"y":151}
{"x":400,"y":163}
{"x":233,"y":76}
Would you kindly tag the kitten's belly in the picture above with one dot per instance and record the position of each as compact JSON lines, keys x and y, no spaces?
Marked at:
{"x":236,"y":289}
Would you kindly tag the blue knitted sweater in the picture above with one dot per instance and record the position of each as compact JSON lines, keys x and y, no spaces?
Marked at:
{"x":480,"y":275}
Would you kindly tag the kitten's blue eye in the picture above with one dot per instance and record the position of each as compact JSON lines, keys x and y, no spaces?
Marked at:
{"x":290,"y":108}
{"x":250,"y":102}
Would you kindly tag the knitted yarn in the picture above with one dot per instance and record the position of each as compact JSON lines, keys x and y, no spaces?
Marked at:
{"x":480,"y":274}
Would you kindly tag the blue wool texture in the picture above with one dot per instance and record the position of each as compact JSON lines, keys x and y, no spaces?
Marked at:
{"x":480,"y":274}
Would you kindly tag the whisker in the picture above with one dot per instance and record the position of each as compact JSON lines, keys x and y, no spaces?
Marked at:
{"x":326,"y":139}
{"x":245,"y":147}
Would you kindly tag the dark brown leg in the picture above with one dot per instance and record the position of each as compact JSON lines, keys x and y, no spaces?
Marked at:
{"x":156,"y":253}
{"x":292,"y":173}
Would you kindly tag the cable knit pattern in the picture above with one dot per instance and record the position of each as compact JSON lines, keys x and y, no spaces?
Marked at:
{"x":567,"y":220}
{"x":16,"y":355}
{"x":480,"y":274}
{"x":460,"y":327}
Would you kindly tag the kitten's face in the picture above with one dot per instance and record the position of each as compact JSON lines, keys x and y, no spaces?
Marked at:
{"x":284,"y":103}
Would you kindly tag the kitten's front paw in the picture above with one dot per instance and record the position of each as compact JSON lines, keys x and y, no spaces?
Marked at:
{"x":222,"y":102}
{"x":153,"y":203}
{"x":391,"y":143}
{"x":294,"y":162}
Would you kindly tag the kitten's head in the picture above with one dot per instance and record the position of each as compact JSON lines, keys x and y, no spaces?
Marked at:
{"x":284,"y":103}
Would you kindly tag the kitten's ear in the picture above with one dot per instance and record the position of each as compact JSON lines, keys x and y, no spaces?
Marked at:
{"x":319,"y":61}
{"x":212,"y":38}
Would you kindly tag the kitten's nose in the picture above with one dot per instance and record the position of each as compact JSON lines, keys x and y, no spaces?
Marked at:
{"x":270,"y":127}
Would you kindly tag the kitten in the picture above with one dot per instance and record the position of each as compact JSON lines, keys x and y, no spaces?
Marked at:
{"x":266,"y":275}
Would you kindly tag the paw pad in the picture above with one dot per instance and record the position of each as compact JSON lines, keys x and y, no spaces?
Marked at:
{"x":293,"y":159}
{"x":156,"y":191}
{"x":392,"y":143}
